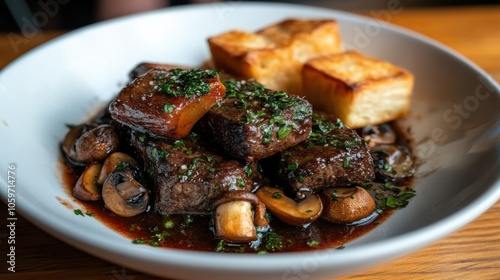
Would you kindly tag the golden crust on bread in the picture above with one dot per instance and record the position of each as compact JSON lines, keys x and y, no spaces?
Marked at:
{"x":274,"y":56}
{"x":358,"y":89}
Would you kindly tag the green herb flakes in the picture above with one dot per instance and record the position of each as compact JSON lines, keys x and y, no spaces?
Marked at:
{"x":78,"y":212}
{"x":168,"y":108}
{"x":187,"y":83}
{"x":347,"y":162}
{"x":267,"y":134}
{"x":312,"y":243}
{"x":168,"y":224}
{"x":248,"y":171}
{"x":292,"y":166}
{"x":284,"y":131}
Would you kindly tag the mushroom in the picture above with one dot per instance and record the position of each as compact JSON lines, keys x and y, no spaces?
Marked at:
{"x":378,"y":134}
{"x":123,"y":195}
{"x":346,"y":205}
{"x":87,"y":188}
{"x":96,"y":144}
{"x":392,"y":162}
{"x":115,"y":160}
{"x":300,"y":213}
{"x":69,"y":140}
{"x":234,"y":220}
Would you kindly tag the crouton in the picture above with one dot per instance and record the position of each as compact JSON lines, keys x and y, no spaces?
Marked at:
{"x":358,"y":89}
{"x":274,"y":56}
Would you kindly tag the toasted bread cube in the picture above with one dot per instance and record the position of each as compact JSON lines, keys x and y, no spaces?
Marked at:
{"x":274,"y":56}
{"x":358,"y":89}
{"x":167,"y":103}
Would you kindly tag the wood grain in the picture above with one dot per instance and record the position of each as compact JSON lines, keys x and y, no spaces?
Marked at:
{"x":470,"y":253}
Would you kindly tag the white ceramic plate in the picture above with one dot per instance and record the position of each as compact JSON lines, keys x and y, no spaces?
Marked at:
{"x":66,"y":79}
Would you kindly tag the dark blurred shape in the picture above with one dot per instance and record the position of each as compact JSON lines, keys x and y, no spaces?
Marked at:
{"x":72,"y":14}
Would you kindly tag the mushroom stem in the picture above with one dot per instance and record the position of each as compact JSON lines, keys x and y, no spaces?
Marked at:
{"x":234,"y":220}
{"x":234,"y":223}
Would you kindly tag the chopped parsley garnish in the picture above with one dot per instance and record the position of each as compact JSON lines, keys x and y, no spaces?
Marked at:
{"x":220,"y":246}
{"x":121,"y":166}
{"x":248,"y":171}
{"x":273,"y":242}
{"x":276,"y":195}
{"x":322,"y":134}
{"x":347,"y":162}
{"x":188,"y":221}
{"x":169,"y":224}
{"x":141,"y":138}
{"x":312,"y":243}
{"x":390,"y":196}
{"x":284,"y":131}
{"x":158,"y":152}
{"x":157,"y":236}
{"x":396,"y":201}
{"x":154,"y":153}
{"x":168,"y":108}
{"x":183,"y":82}
{"x":241,"y":182}
{"x":292,"y":166}
{"x":334,"y":195}
{"x":79,"y":212}
{"x":264,"y":107}
{"x":267,"y":134}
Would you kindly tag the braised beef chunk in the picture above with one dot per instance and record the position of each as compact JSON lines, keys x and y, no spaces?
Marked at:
{"x":167,"y":103}
{"x":253,"y":122}
{"x":333,"y":155}
{"x":187,"y":176}
{"x":144,"y":67}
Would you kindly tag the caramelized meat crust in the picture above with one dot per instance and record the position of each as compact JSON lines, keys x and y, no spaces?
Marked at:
{"x":167,"y":103}
{"x":253,"y":122}
{"x":333,"y":155}
{"x":187,"y":176}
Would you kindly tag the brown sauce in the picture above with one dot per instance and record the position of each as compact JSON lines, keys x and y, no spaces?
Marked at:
{"x":197,"y":234}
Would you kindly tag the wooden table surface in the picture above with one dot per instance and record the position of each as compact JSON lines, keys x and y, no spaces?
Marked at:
{"x":470,"y":253}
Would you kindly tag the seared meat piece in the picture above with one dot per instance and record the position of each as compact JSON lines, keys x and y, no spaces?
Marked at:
{"x":187,"y":176}
{"x":333,"y":155}
{"x":253,"y":122}
{"x":167,"y":103}
{"x":144,"y":67}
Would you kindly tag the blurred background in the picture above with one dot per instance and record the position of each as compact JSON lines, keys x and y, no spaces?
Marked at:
{"x":71,"y":14}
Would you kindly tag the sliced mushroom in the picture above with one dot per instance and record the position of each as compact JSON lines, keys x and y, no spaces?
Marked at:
{"x":392,"y":162}
{"x":71,"y":137}
{"x":378,"y":134}
{"x":87,"y":188}
{"x":346,"y":205}
{"x":234,"y":220}
{"x":92,"y":145}
{"x":69,"y":140}
{"x":115,"y":160}
{"x":300,"y":213}
{"x":123,"y":195}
